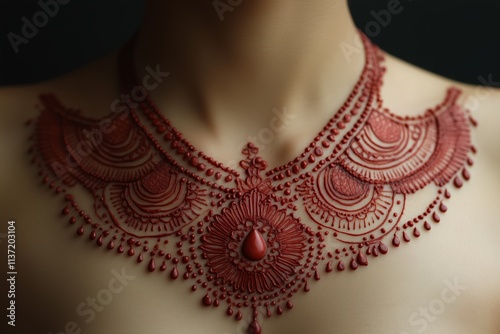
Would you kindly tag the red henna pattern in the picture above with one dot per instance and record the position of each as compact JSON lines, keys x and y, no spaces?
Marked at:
{"x":350,"y":207}
{"x":238,"y":237}
{"x":264,"y":268}
{"x":157,"y":205}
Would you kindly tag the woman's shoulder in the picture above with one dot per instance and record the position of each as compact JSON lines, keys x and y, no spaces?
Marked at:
{"x":91,"y":87}
{"x":86,"y":87}
{"x":409,"y":89}
{"x":484,"y":104}
{"x":413,"y":83}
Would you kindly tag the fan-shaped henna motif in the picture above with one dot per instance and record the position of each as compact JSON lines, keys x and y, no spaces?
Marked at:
{"x":252,"y":239}
{"x":409,"y":153}
{"x":349,"y":206}
{"x":68,"y":145}
{"x":132,"y":187}
{"x":159,"y":204}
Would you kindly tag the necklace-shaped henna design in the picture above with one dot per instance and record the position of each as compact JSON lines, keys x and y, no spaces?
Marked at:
{"x":238,"y":236}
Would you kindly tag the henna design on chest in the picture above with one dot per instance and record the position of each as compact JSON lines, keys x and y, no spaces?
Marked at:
{"x":238,"y":236}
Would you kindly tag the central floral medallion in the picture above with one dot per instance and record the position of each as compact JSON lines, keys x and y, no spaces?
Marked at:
{"x":253,"y":246}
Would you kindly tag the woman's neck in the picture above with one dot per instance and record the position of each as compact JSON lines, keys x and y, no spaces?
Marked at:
{"x":233,"y":62}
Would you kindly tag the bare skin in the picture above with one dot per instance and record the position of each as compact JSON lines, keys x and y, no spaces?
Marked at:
{"x":223,"y":86}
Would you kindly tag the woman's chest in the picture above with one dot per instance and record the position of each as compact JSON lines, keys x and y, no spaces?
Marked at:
{"x":320,"y":244}
{"x":442,"y":279}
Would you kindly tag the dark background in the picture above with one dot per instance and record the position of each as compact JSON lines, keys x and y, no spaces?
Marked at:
{"x":459,"y":39}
